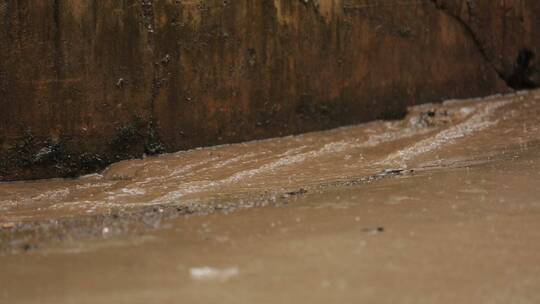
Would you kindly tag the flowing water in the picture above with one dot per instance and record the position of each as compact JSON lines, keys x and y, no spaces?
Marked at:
{"x":442,"y":206}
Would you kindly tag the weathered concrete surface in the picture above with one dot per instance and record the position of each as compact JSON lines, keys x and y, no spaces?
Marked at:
{"x":86,"y":83}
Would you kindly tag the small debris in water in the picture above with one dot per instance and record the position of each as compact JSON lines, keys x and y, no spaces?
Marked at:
{"x":213,"y":274}
{"x":394,"y":172}
{"x":376,"y":230}
{"x":297,"y":192}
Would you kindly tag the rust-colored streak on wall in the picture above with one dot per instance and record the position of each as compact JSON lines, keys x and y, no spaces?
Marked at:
{"x":61,"y":62}
{"x":85,"y":83}
{"x":260,"y":68}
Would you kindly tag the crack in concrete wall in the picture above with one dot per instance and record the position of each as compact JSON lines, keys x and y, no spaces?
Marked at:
{"x":470,"y":33}
{"x":506,"y":34}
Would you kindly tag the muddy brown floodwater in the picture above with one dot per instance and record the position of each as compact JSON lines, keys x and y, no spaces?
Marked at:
{"x":441,"y":207}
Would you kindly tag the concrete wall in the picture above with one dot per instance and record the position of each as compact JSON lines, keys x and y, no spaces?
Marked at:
{"x":84,"y":83}
{"x":507,"y":32}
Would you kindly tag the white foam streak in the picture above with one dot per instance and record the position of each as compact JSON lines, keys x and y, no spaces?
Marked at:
{"x":477,"y":122}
